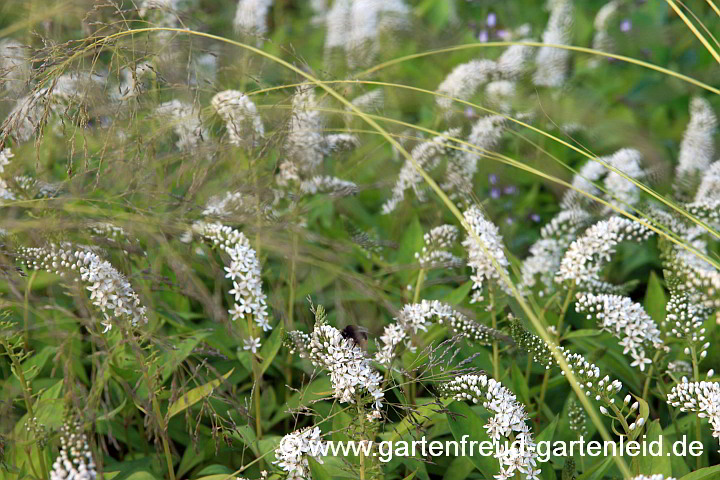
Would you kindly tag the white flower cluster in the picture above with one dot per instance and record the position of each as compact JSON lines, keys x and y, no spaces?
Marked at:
{"x":586,"y":256}
{"x":697,"y":278}
{"x":464,"y":80}
{"x":462,"y":166}
{"x":109,"y":290}
{"x":306,"y":143}
{"x":696,"y":149}
{"x":684,"y":320}
{"x":509,"y":419}
{"x":369,"y":101}
{"x":577,"y":419}
{"x":295,"y":448}
{"x":75,"y":461}
{"x":72,"y":86}
{"x":28,"y":115}
{"x":552,"y":63}
{"x":223,"y":206}
{"x":497,"y":75}
{"x":587,"y":374}
{"x":133,"y":82}
{"x":707,"y":209}
{"x":427,"y":155}
{"x":532,"y":344}
{"x":326,"y":184}
{"x":34,"y":188}
{"x":251,"y":17}
{"x":680,"y":366}
{"x":348,"y":364}
{"x":306,"y":146}
{"x":5,"y":156}
{"x":546,"y":254}
{"x":481,"y":254}
{"x":619,"y":190}
{"x":242,"y":122}
{"x":702,"y":398}
{"x":625,"y":320}
{"x":656,"y":476}
{"x":500,"y":93}
{"x":109,"y":231}
{"x":252,"y":343}
{"x":418,"y":317}
{"x":709,"y":188}
{"x":186,"y":123}
{"x":435,"y":251}
{"x":355,"y":26}
{"x":601,"y":39}
{"x":243,"y":269}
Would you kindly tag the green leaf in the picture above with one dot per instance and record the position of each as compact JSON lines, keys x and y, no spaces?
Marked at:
{"x":172,"y":358}
{"x":411,"y":242}
{"x":270,"y":348}
{"x":520,"y":385}
{"x":463,"y":421}
{"x":583,"y":332}
{"x":644,"y":412}
{"x":142,"y":476}
{"x":652,"y":464}
{"x":459,"y":294}
{"x":707,"y":473}
{"x":597,"y":471}
{"x":215,"y":469}
{"x":340,"y":422}
{"x":113,"y":412}
{"x":129,"y":469}
{"x":459,"y":469}
{"x":547,"y":436}
{"x":655,"y":298}
{"x":317,"y":471}
{"x":426,"y":414}
{"x":195,"y":395}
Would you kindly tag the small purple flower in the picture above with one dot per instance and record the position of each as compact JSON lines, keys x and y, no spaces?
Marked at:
{"x":469,"y":112}
{"x":503,"y":34}
{"x":510,"y":190}
{"x":491,"y":20}
{"x":626,"y":25}
{"x":492,"y":178}
{"x":495,"y":192}
{"x":483,"y":36}
{"x":509,"y":220}
{"x":535,"y":217}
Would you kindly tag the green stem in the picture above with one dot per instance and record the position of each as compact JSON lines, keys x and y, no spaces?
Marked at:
{"x":620,"y":418}
{"x":495,"y":348}
{"x":160,"y":419}
{"x":17,"y":368}
{"x":291,"y":317}
{"x":26,"y":312}
{"x":419,"y":285}
{"x":411,"y":387}
{"x":698,"y":430}
{"x":256,"y":396}
{"x":560,"y":323}
{"x":362,"y":466}
{"x":646,"y":387}
{"x":256,"y":382}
